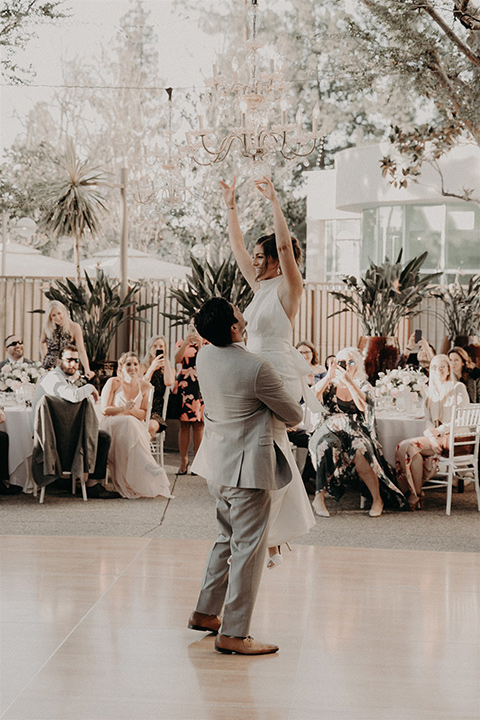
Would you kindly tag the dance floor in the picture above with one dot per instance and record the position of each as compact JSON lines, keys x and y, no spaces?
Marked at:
{"x":95,"y":629}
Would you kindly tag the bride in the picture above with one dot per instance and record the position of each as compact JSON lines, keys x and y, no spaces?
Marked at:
{"x":124,"y":404}
{"x":278,"y":285}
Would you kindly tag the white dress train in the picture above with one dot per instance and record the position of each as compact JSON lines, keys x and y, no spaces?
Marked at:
{"x":134,"y":472}
{"x":269,"y":334}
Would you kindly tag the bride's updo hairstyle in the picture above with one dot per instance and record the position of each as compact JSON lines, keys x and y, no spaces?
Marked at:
{"x":269,"y":247}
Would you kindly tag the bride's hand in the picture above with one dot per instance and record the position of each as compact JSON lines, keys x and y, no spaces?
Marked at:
{"x":228,"y":192}
{"x":265,"y":186}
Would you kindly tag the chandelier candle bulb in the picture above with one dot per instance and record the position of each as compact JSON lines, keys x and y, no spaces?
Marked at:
{"x":215,"y":70}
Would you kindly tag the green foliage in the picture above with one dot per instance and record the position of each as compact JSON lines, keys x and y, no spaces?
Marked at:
{"x":99,"y":310}
{"x":16,"y":16}
{"x":385,"y":294}
{"x":223,"y":280}
{"x":461,"y":307}
{"x":73,"y":202}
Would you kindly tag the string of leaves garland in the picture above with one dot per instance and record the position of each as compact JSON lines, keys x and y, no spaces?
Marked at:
{"x":204,"y":282}
{"x":385,"y":294}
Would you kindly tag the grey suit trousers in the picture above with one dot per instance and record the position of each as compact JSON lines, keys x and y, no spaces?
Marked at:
{"x":243,"y":516}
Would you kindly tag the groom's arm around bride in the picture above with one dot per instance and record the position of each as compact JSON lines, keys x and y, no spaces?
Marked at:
{"x":244,"y":396}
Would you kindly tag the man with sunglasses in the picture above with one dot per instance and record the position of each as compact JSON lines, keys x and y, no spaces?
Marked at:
{"x":14,"y":351}
{"x":57,"y":383}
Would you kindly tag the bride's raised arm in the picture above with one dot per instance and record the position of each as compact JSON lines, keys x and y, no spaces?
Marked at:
{"x":237,"y":242}
{"x":293,"y":289}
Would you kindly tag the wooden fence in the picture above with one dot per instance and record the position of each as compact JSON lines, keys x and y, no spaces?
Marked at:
{"x":19,"y":296}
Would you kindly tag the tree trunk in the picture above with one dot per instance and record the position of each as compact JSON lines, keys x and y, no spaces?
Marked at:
{"x":76,"y":249}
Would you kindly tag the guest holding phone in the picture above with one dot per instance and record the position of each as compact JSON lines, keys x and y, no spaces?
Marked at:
{"x":157,"y":370}
{"x":421,"y":359}
{"x":191,"y":412}
{"x":343,"y":446}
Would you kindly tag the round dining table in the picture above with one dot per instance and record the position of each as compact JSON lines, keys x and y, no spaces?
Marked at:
{"x":19,"y":427}
{"x":393,"y":427}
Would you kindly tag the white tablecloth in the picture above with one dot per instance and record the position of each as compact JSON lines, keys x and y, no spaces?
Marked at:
{"x":393,"y":428}
{"x":19,"y":427}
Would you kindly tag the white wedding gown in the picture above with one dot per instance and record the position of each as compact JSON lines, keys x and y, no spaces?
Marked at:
{"x":133,"y":469}
{"x":269,"y":334}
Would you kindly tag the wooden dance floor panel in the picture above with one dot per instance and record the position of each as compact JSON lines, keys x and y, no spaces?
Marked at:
{"x":95,"y":629}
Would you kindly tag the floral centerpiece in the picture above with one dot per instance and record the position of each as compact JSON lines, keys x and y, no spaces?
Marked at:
{"x":391,"y":384}
{"x":14,"y":375}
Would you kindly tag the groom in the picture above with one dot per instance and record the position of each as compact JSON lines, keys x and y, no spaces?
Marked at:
{"x":242,"y":464}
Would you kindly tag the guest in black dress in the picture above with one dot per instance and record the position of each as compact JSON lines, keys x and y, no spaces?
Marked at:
{"x":158,"y":371}
{"x":191,"y":411}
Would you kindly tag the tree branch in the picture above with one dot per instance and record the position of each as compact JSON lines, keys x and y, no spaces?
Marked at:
{"x":453,"y":37}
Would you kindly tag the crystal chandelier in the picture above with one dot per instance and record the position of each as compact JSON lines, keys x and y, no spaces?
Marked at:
{"x":169,"y":188}
{"x":256,"y":102}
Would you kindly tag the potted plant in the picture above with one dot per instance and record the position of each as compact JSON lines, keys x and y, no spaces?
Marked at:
{"x":224,"y":280}
{"x":380,"y":299}
{"x":99,"y":309}
{"x":461,"y":314}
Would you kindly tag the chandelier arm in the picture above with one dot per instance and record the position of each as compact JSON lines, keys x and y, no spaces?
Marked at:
{"x":291,"y":154}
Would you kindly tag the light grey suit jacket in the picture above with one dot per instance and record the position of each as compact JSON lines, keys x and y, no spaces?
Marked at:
{"x":242,"y":393}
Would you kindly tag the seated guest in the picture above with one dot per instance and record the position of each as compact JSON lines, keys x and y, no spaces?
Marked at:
{"x":5,"y":487}
{"x":14,"y":351}
{"x":417,"y":458}
{"x":300,"y":437}
{"x":57,"y":383}
{"x":465,"y":371}
{"x":309,"y":352}
{"x":157,"y":370}
{"x":343,"y":445}
{"x":124,"y":407}
{"x":421,"y":359}
{"x":328,"y":360}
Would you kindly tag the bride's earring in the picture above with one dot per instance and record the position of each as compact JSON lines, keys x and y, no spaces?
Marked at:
{"x":279,"y":272}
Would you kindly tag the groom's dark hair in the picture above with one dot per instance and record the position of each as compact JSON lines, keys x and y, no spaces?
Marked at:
{"x":214,"y":321}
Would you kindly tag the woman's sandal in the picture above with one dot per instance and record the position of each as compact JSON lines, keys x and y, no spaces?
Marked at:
{"x":277,"y":559}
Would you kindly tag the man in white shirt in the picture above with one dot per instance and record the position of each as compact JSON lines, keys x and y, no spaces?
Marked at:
{"x":14,"y":351}
{"x":56,"y":383}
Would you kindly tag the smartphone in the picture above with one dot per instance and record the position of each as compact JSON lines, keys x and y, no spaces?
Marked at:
{"x":342,"y":363}
{"x":159,"y":352}
{"x":418,"y":335}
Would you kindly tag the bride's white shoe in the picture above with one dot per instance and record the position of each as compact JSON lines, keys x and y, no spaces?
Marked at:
{"x":276,"y":558}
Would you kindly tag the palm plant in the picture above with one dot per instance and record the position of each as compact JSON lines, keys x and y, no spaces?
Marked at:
{"x":224,"y":280}
{"x":461,"y":307}
{"x":386,"y":294}
{"x":99,"y":308}
{"x":73,"y":202}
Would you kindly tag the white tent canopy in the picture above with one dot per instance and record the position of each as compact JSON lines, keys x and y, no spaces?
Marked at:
{"x":26,"y":261}
{"x":141,"y":265}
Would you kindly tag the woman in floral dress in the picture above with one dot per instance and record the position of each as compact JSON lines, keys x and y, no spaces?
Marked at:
{"x":59,"y":331}
{"x":191,"y":409}
{"x":343,"y":446}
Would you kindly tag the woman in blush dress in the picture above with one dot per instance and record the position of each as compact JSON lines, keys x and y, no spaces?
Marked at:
{"x":59,"y":331}
{"x":417,"y":458}
{"x":124,"y":403}
{"x":278,"y":285}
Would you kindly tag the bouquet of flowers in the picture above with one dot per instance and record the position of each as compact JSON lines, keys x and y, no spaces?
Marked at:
{"x":13,"y":375}
{"x":393,"y":382}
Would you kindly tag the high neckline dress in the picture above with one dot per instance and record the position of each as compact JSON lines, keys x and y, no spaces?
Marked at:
{"x":269,"y":334}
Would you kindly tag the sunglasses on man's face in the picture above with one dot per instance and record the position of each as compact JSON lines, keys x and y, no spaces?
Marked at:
{"x":14,"y":343}
{"x":71,"y":360}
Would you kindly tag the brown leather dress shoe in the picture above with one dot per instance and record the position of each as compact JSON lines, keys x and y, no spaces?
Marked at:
{"x":243,"y":646}
{"x":205,"y":623}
